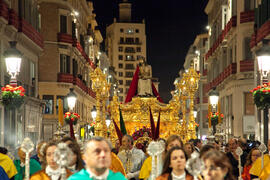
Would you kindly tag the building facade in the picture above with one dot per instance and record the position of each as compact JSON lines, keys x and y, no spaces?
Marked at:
{"x":231,"y":63}
{"x":125,"y":44}
{"x":19,"y":21}
{"x":71,"y":48}
{"x":261,"y":32}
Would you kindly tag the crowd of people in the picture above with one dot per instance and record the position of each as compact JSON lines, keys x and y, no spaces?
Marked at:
{"x":98,"y":160}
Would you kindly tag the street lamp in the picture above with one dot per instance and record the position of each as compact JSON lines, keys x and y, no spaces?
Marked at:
{"x":195,"y":114}
{"x":94,"y":112}
{"x":71,"y":98}
{"x":13,"y":58}
{"x":213,"y":98}
{"x":263,"y":57}
{"x":263,"y":60}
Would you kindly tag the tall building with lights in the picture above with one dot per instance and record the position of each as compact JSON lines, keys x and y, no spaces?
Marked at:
{"x":125,"y":44}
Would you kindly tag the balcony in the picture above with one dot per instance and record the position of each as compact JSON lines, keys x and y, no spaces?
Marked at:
{"x":247,"y":16}
{"x":69,"y":78}
{"x":246,"y":65}
{"x":67,"y":38}
{"x":232,"y":23}
{"x":261,"y":33}
{"x":20,"y":24}
{"x":228,"y":71}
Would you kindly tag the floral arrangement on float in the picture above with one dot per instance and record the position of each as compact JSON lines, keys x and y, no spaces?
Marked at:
{"x":142,"y":132}
{"x":73,"y":117}
{"x":261,"y":96}
{"x":12,"y":97}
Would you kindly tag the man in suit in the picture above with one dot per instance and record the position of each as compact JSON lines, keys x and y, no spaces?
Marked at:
{"x":197,"y":145}
{"x":97,"y":158}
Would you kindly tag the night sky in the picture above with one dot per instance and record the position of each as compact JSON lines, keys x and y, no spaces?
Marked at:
{"x":171,"y":27}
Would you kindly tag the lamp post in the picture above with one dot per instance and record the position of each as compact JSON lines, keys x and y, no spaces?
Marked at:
{"x":213,"y":100}
{"x":94,"y":112}
{"x":13,"y":58}
{"x":71,"y":98}
{"x":263,"y":66}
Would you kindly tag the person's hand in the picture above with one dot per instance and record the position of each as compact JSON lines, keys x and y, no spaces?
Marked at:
{"x":130,"y":175}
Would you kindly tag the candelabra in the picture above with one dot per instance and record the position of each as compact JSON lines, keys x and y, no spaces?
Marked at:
{"x":101,"y":87}
{"x":192,"y":78}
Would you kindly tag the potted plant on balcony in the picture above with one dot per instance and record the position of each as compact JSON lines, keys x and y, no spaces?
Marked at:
{"x":261,"y":96}
{"x":12,"y":97}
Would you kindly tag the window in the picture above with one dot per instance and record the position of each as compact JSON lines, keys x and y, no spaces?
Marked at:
{"x":121,"y":40}
{"x":129,"y":50}
{"x":248,"y":53}
{"x":127,"y":90}
{"x":128,"y":82}
{"x":121,"y":30}
{"x":48,"y":99}
{"x":120,"y":65}
{"x":73,"y":29}
{"x":130,"y":31}
{"x":120,"y":49}
{"x":64,"y":63}
{"x":129,"y":58}
{"x":137,"y":31}
{"x":129,"y":66}
{"x":121,"y":82}
{"x":120,"y":74}
{"x":249,"y":105}
{"x":138,"y":57}
{"x":64,"y":104}
{"x":137,"y":40}
{"x":138,"y":49}
{"x":63,"y":24}
{"x":32,"y":73}
{"x":120,"y":57}
{"x":121,"y":90}
{"x":74,"y":67}
{"x":130,"y":40}
{"x":129,"y":74}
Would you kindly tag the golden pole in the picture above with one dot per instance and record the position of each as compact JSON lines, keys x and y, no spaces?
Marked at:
{"x":192,"y":85}
{"x":101,"y":87}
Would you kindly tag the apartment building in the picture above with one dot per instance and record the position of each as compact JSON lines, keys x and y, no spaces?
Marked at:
{"x":261,"y":32}
{"x":71,"y":47}
{"x":125,"y":44}
{"x":19,"y":22}
{"x":231,"y":63}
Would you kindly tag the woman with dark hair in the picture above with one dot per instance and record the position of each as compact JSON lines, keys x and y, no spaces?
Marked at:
{"x":146,"y":169}
{"x":76,"y":163}
{"x":51,"y":170}
{"x":251,"y":158}
{"x":217,"y":166}
{"x":174,"y":165}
